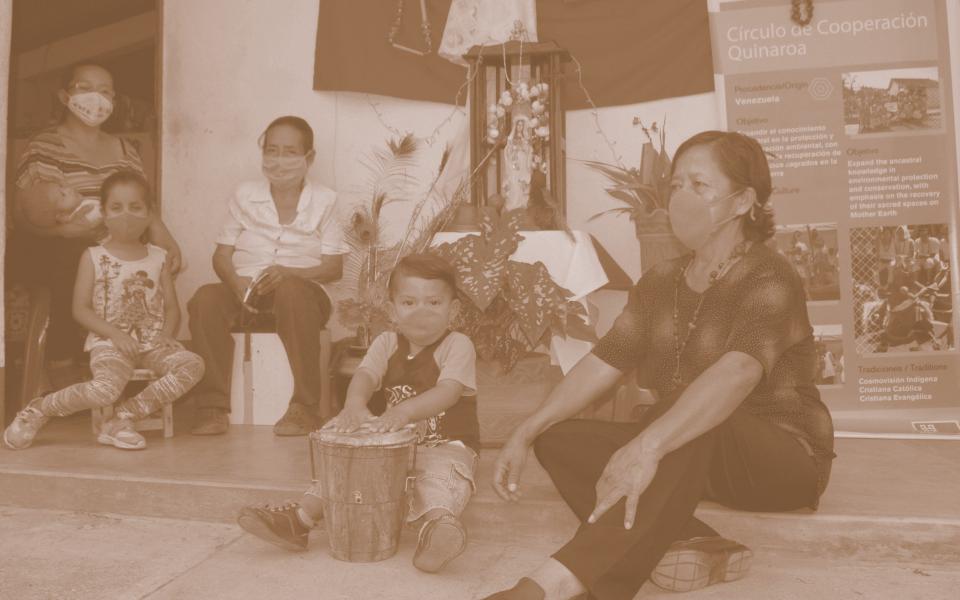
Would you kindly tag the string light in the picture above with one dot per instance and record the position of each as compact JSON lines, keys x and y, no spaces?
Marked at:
{"x":595,"y":112}
{"x":432,"y":138}
{"x":435,"y":134}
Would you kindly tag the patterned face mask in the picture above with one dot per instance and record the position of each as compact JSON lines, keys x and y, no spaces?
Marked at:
{"x":93,"y":108}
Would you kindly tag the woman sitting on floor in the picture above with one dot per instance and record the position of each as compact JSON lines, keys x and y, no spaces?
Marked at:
{"x":722,"y":335}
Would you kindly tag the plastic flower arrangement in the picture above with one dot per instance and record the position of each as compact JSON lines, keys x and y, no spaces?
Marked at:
{"x":519,"y":101}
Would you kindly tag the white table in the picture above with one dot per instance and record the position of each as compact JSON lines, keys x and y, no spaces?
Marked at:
{"x":572,"y":264}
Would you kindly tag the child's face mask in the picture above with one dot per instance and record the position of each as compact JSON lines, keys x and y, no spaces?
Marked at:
{"x":422,"y":308}
{"x":126,"y":213}
{"x":127,"y":227}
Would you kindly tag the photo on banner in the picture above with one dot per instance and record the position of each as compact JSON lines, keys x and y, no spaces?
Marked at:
{"x":856,"y":112}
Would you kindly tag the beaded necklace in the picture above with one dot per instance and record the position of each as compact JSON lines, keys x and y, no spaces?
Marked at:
{"x":722,"y":268}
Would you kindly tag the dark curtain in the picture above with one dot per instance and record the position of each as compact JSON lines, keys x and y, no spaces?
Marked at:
{"x":630,"y":50}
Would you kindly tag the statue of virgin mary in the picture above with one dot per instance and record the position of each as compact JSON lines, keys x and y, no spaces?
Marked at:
{"x":518,"y":159}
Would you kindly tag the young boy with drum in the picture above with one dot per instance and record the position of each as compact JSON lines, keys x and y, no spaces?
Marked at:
{"x":420,"y":375}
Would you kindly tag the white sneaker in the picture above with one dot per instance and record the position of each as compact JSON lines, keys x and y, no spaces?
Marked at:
{"x":20,"y":433}
{"x":120,"y":433}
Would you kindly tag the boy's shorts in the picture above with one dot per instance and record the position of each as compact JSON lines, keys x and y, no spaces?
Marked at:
{"x":444,"y":479}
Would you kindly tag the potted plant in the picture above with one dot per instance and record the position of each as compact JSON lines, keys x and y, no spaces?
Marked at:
{"x":645,"y":192}
{"x":510,"y":307}
{"x":371,"y":258}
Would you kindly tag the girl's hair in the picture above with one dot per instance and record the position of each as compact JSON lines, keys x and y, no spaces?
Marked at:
{"x":424,"y":266}
{"x":297,"y":123}
{"x":743,"y":161}
{"x":125,"y":177}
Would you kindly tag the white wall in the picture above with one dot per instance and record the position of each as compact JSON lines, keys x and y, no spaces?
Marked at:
{"x":230,"y":67}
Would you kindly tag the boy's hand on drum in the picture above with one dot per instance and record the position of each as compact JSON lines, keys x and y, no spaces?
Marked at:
{"x":349,"y":420}
{"x":393,"y":419}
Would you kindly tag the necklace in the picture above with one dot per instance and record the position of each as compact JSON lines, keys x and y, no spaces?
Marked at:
{"x":679,"y":344}
{"x":424,"y":29}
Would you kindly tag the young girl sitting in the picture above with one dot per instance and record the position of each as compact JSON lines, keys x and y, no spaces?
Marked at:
{"x":124,"y":297}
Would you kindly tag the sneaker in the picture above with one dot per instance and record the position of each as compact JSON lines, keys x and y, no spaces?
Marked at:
{"x":211,"y":421}
{"x":696,"y":563}
{"x":298,"y":420}
{"x":440,"y":541}
{"x":120,"y":433}
{"x":279,"y":525}
{"x":20,"y":433}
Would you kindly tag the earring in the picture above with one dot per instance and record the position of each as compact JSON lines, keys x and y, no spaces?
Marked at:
{"x":753,"y":215}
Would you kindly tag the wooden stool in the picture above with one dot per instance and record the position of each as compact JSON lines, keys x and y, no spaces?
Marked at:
{"x":262,"y":383}
{"x":162,"y":419}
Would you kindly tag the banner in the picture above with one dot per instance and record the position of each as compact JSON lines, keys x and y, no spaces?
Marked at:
{"x":856,"y":113}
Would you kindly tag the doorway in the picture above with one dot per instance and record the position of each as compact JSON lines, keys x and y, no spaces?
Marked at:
{"x":48,"y":37}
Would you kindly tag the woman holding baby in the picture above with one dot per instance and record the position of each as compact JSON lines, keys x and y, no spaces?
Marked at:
{"x":56,"y":199}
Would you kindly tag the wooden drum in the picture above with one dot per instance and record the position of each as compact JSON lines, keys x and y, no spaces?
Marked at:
{"x":364,"y":479}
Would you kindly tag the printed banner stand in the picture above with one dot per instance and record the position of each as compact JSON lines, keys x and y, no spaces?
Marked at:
{"x":856,"y":113}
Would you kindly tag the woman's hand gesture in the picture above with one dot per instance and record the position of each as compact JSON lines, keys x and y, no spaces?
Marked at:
{"x":509,"y":466}
{"x":627,"y":475}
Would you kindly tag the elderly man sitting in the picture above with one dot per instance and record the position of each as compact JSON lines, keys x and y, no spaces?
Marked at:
{"x":283,"y":232}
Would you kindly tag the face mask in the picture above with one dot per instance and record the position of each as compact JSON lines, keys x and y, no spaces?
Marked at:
{"x":692,"y":219}
{"x":93,"y":108}
{"x":126,"y":227}
{"x":284,"y":171}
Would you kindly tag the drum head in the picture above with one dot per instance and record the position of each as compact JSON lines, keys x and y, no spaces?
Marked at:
{"x":364,"y":437}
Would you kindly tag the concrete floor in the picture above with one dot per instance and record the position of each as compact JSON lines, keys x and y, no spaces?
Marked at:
{"x":81,"y":556}
{"x":78,"y":520}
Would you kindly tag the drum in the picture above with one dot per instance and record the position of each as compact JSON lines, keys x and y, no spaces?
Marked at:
{"x":364,"y":479}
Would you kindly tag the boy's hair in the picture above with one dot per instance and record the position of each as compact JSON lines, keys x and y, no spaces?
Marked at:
{"x":127,"y":177}
{"x":424,"y":266}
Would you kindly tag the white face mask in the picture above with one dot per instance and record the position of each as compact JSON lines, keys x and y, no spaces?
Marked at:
{"x":284,"y":171}
{"x":93,"y":108}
